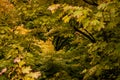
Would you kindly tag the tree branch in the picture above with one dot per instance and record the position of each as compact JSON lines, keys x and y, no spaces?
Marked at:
{"x":93,"y":3}
{"x":90,"y":35}
{"x":87,"y":36}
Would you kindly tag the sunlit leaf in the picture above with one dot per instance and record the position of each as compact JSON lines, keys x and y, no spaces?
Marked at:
{"x":34,"y":74}
{"x":53,"y":7}
{"x":26,"y":69}
{"x":21,"y":63}
{"x":17,"y":60}
{"x":66,"y":18}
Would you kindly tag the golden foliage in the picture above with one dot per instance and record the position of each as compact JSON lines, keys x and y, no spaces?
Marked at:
{"x":5,"y":6}
{"x":47,"y":47}
{"x":21,"y":30}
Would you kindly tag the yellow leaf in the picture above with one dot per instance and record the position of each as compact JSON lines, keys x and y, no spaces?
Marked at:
{"x":53,"y":7}
{"x":34,"y":74}
{"x":28,"y":78}
{"x":66,"y":18}
{"x":21,"y":63}
{"x":26,"y":69}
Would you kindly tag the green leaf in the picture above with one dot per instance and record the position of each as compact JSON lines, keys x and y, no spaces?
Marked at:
{"x":78,"y":13}
{"x":117,"y":48}
{"x":102,"y":6}
{"x":90,"y":72}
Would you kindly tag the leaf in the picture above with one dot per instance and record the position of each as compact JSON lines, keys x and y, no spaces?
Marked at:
{"x":34,"y":74}
{"x":21,"y":63}
{"x":28,"y":78}
{"x":99,"y":14}
{"x":53,"y":7}
{"x":66,"y":19}
{"x":90,"y":72}
{"x":4,"y":70}
{"x":117,"y":48}
{"x":26,"y":69}
{"x":95,"y":22}
{"x":77,"y":13}
{"x":82,"y":18}
{"x":67,"y":7}
{"x":102,"y":6}
{"x":84,"y":71}
{"x":17,"y":60}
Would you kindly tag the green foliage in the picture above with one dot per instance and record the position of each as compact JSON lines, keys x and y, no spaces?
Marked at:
{"x":15,"y":54}
{"x":52,"y":40}
{"x":102,"y":21}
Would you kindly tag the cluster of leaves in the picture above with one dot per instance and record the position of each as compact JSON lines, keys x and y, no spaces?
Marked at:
{"x":71,"y":56}
{"x":15,"y":54}
{"x":103,"y":22}
{"x":19,"y":40}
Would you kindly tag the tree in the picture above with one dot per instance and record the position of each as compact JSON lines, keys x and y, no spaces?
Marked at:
{"x":82,"y":36}
{"x":101,"y":20}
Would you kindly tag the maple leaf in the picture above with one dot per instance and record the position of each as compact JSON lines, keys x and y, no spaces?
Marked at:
{"x":34,"y":74}
{"x":26,"y":69}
